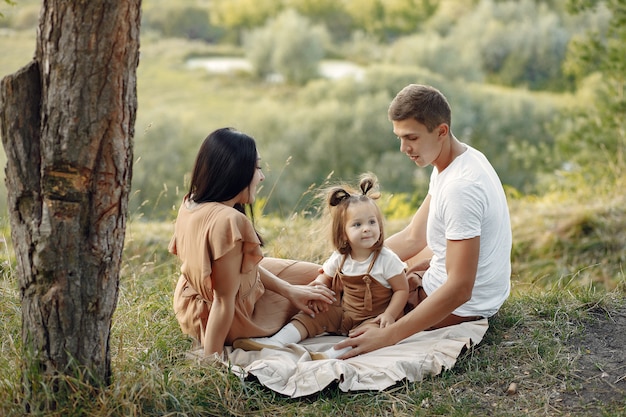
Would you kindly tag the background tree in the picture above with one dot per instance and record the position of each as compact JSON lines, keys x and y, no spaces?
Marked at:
{"x":389,"y":18}
{"x":181,"y":20}
{"x":330,"y":13}
{"x":289,"y":46}
{"x":67,"y":123}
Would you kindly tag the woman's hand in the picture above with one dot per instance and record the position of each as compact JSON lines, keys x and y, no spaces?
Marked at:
{"x":311,"y":299}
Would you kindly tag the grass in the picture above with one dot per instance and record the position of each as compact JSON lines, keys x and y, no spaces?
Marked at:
{"x":529,"y":343}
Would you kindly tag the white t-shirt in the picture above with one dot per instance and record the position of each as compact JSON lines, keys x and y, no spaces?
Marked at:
{"x":467,"y":200}
{"x":387,"y":265}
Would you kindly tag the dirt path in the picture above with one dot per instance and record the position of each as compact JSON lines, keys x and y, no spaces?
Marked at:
{"x":600,"y":365}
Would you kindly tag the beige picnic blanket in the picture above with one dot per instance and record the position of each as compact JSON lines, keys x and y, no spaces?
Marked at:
{"x":290,"y":370}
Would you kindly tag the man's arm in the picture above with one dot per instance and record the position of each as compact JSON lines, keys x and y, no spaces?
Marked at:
{"x":412,"y":239}
{"x":461,"y":265}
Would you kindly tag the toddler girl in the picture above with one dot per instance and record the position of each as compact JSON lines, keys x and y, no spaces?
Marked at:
{"x":370,"y":277}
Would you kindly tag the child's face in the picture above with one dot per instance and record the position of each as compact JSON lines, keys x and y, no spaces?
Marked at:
{"x":362,"y":228}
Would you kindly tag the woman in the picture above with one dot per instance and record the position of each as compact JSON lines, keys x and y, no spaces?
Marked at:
{"x":224,"y":293}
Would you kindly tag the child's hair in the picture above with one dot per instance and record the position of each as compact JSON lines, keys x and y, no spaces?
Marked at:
{"x":339,"y":199}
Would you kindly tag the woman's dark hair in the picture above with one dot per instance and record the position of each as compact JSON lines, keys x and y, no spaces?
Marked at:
{"x":225,"y":165}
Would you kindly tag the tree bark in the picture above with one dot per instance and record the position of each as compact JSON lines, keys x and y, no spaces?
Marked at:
{"x":67,"y":125}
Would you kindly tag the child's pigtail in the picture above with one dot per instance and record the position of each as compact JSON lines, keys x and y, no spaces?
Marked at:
{"x":369,"y":185}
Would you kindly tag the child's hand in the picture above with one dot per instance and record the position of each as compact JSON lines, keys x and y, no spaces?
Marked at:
{"x":306,"y":296}
{"x":318,"y":307}
{"x":385,"y":319}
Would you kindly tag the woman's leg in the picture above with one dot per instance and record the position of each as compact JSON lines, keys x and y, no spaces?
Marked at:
{"x":294,"y":272}
{"x":274,"y":309}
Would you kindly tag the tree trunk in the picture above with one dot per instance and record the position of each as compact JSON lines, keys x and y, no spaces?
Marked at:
{"x":67,"y":124}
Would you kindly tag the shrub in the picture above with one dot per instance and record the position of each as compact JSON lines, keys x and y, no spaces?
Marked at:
{"x":191,"y":22}
{"x":289,"y":46}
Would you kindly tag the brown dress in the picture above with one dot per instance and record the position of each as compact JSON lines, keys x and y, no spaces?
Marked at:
{"x":204,"y":233}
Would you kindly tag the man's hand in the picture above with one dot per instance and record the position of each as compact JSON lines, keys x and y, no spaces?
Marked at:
{"x":365,"y":339}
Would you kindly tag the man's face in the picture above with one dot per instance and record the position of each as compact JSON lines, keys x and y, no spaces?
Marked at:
{"x":420,"y":145}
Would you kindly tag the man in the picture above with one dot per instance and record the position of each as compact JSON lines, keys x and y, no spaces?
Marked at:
{"x":464,"y":221}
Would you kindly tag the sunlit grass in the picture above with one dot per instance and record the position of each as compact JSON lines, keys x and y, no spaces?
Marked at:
{"x":572,"y":235}
{"x":527,"y":342}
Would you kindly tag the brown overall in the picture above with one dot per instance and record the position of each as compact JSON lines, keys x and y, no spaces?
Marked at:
{"x":363,"y":299}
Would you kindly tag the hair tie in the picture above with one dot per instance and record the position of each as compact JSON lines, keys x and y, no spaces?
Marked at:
{"x":338,"y":196}
{"x":366,"y":186}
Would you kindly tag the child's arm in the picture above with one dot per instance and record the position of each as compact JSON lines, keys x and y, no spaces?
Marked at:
{"x":322,"y":279}
{"x":400,"y":287}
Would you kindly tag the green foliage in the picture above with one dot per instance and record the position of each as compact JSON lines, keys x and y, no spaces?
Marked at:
{"x":442,"y":55}
{"x":557,"y":244}
{"x":178,"y":108}
{"x":340,"y":127}
{"x":334,"y":129}
{"x":289,"y":46}
{"x":362,"y":49}
{"x":19,"y":16}
{"x":243,"y":14}
{"x":568,"y":241}
{"x":511,"y":126}
{"x":330,"y":13}
{"x":593,"y":139}
{"x":259,"y":46}
{"x":383,"y":19}
{"x":175,"y":20}
{"x":510,"y":50}
{"x":390,"y":18}
{"x":155,"y":181}
{"x":523,"y":52}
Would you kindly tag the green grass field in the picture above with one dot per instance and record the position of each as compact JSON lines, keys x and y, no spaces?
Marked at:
{"x":533,"y":342}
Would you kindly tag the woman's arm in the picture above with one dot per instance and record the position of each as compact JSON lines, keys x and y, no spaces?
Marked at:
{"x":226,"y":279}
{"x":299,"y":295}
